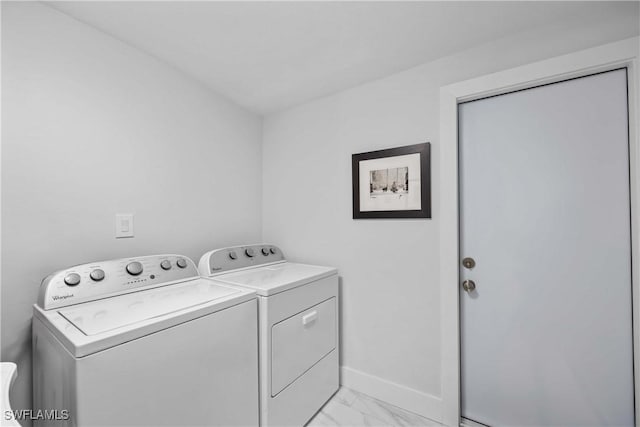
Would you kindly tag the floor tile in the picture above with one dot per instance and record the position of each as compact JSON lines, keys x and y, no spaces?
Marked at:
{"x":345,"y":396}
{"x":350,"y":408}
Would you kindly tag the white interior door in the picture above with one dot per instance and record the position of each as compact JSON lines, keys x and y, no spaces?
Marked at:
{"x":546,"y":335}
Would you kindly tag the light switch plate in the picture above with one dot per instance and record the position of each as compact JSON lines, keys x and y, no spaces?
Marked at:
{"x":124,"y":225}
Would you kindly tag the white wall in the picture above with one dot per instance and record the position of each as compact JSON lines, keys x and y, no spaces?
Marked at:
{"x":390,"y":268}
{"x":93,"y":127}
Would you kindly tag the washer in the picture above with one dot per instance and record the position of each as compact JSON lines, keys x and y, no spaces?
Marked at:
{"x":298,"y":328}
{"x":147,"y":342}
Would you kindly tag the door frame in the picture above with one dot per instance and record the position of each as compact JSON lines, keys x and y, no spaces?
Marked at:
{"x":621,"y":54}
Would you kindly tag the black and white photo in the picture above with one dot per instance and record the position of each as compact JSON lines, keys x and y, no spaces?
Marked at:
{"x":392,"y":183}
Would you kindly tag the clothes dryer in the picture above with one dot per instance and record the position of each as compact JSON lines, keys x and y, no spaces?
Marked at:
{"x":298,"y":327}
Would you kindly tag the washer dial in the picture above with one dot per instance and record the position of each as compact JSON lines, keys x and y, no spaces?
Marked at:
{"x":97,"y":275}
{"x":134,"y":268}
{"x":72,"y":279}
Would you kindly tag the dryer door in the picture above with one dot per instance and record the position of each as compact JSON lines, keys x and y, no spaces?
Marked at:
{"x":299,"y":342}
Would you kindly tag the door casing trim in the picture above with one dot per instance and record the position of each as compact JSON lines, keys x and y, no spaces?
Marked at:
{"x":621,"y":54}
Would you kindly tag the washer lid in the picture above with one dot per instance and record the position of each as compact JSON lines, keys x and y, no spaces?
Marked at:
{"x":101,"y":316}
{"x":278,"y":277}
{"x":87,"y":328}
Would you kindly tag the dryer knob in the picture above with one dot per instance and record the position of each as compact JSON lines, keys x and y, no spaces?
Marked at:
{"x":72,"y":279}
{"x":97,"y":275}
{"x":233,"y":255}
{"x":134,"y":268}
{"x":265,"y":251}
{"x":165,"y":265}
{"x":249,"y":252}
{"x":273,"y":250}
{"x":182,"y":263}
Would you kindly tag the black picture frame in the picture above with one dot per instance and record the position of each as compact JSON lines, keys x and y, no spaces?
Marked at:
{"x":424,"y":151}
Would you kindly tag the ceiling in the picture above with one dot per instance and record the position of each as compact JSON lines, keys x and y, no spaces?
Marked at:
{"x":267,"y":56}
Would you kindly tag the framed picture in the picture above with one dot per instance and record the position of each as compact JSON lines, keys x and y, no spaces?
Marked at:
{"x":392,"y":183}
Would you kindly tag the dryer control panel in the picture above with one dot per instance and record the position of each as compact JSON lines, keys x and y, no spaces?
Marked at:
{"x":233,"y":258}
{"x":103,"y":279}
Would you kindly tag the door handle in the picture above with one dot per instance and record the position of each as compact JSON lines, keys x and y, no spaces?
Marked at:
{"x":309,"y":318}
{"x":469,"y":286}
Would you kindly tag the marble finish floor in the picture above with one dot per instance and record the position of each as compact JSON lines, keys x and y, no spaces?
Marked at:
{"x":349,"y":408}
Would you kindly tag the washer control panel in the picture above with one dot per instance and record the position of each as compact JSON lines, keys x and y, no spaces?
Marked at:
{"x":220,"y":260}
{"x":97,"y":280}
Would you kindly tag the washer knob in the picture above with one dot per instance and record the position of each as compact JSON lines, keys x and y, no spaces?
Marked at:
{"x":182,"y":263}
{"x":72,"y":279}
{"x":233,"y":255}
{"x":249,"y":252}
{"x":265,"y":251}
{"x":97,"y":275}
{"x":134,"y":268}
{"x":165,"y":265}
{"x":273,"y":250}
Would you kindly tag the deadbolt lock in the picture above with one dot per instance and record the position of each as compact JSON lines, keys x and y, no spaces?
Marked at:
{"x":468,"y":262}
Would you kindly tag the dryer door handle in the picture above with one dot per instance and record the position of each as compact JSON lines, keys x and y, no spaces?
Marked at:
{"x":309,"y":318}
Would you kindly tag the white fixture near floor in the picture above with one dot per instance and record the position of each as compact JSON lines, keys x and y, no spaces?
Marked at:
{"x":298,"y":312}
{"x":9,"y":372}
{"x":145,"y":341}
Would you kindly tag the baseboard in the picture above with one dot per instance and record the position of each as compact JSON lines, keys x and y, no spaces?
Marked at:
{"x":407,"y":398}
